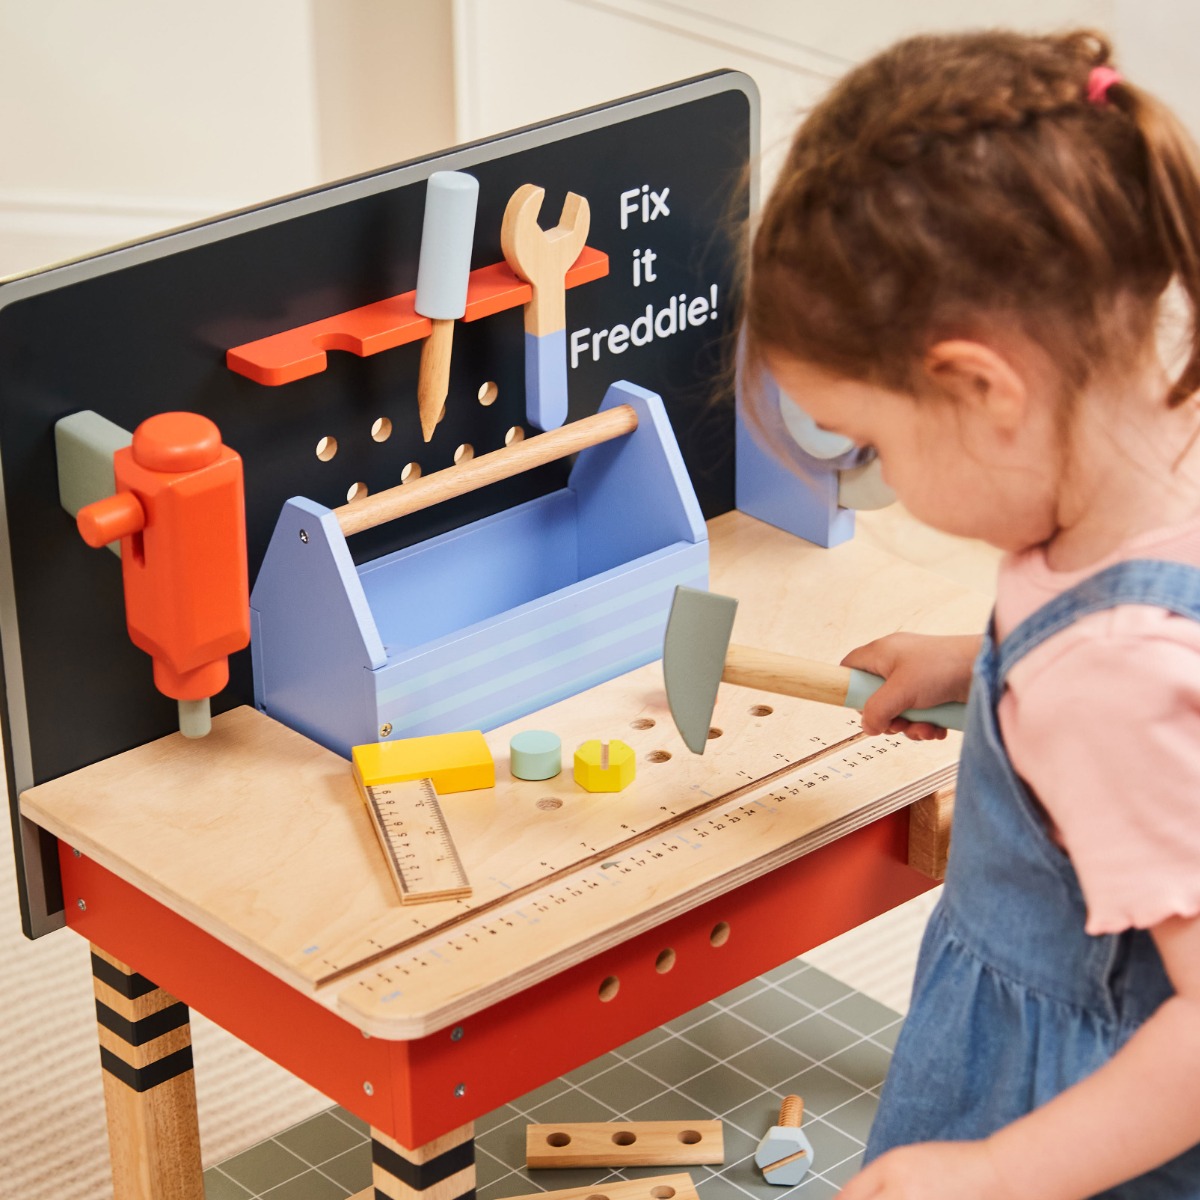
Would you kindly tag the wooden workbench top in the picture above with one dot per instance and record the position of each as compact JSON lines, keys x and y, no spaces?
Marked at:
{"x":258,"y":836}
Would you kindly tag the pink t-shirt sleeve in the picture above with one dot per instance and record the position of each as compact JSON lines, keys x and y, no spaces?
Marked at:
{"x":1103,"y":722}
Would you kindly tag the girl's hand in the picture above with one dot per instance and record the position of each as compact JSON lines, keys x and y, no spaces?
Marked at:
{"x":931,"y":1171}
{"x":919,"y":671}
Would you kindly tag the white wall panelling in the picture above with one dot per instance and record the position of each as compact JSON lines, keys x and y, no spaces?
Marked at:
{"x":133,"y":116}
{"x":523,"y":61}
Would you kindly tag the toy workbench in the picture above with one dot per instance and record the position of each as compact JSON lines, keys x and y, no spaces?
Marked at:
{"x":423,"y":452}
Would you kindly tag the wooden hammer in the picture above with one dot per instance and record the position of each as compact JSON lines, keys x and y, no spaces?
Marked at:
{"x":697,"y":656}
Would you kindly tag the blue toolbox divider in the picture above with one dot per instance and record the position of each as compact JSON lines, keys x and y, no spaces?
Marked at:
{"x":799,"y":496}
{"x":485,"y":623}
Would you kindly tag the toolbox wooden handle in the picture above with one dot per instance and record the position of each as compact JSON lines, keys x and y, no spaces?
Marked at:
{"x":487,"y":468}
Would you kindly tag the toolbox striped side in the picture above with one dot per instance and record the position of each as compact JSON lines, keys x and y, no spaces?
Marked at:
{"x":537,"y":656}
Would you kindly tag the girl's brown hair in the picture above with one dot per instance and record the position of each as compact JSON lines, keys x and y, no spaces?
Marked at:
{"x":954,"y":181}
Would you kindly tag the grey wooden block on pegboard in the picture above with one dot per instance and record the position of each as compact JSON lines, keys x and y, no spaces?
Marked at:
{"x":84,"y":445}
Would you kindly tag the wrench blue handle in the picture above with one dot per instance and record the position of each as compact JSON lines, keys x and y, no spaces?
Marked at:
{"x":546,"y":379}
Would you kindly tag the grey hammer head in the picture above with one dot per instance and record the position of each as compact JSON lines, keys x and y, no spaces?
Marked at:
{"x":697,"y":639}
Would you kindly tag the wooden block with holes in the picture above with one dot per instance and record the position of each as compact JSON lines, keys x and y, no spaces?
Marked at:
{"x":655,"y":1187}
{"x":625,"y":1144}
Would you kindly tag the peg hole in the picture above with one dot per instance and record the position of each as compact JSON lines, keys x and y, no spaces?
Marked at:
{"x":464,"y":453}
{"x":487,"y":394}
{"x":662,"y":1192}
{"x":514,"y":435}
{"x":714,"y":732}
{"x":596,"y":1196}
{"x":659,"y":756}
{"x":642,"y":723}
{"x":761,"y":710}
{"x":665,"y":961}
{"x":624,"y":1137}
{"x":356,"y":491}
{"x":609,"y":988}
{"x":326,"y":448}
{"x":720,"y":934}
{"x":689,"y":1137}
{"x":549,"y":803}
{"x":381,"y":429}
{"x":411,"y":471}
{"x":558,"y":1139}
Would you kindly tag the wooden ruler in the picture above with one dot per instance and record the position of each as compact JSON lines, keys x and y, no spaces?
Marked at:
{"x":417,"y":845}
{"x":693,"y":856}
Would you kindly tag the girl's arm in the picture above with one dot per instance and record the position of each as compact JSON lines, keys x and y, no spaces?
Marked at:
{"x":919,"y":671}
{"x":1137,"y":1111}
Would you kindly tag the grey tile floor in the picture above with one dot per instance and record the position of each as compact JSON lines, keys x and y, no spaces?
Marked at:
{"x":794,"y":1029}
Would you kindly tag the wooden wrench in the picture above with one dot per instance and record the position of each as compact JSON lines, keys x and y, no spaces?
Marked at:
{"x":541,"y":257}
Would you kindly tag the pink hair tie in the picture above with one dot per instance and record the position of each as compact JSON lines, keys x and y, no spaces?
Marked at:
{"x":1100,"y":79}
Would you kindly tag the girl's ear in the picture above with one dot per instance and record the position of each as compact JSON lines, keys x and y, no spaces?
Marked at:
{"x":978,"y":376}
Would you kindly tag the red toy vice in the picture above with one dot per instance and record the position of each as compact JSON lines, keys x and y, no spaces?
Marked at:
{"x":179,"y":513}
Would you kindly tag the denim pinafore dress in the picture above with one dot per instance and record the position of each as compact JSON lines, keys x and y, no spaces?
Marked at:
{"x":1012,"y":1001}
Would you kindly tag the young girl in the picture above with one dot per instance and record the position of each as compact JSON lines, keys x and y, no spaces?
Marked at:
{"x":962,"y":265}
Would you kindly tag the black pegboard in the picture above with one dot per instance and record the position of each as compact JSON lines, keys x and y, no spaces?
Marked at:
{"x":145,"y":329}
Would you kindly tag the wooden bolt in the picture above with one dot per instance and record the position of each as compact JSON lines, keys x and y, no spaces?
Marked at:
{"x":785,"y":1154}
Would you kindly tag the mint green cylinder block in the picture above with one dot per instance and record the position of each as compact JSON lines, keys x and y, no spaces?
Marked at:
{"x":535,"y":754}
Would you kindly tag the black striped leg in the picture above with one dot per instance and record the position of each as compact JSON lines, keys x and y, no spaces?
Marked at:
{"x":443,"y":1169}
{"x":149,"y":1088}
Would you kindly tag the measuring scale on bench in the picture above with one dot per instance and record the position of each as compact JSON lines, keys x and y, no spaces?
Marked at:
{"x":417,"y":846}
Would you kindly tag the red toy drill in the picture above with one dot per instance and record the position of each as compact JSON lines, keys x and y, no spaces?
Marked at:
{"x":179,"y":513}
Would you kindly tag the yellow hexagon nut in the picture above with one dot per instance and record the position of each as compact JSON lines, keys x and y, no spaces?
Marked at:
{"x":604,"y":766}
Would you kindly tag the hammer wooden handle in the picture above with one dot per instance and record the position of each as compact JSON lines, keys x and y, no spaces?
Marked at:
{"x":487,"y":468}
{"x":807,"y":679}
{"x":786,"y":675}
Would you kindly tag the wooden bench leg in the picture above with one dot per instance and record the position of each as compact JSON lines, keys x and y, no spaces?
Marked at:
{"x":443,"y":1169}
{"x":149,"y":1086}
{"x":929,"y":822}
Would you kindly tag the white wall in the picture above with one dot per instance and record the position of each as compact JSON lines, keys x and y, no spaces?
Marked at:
{"x":523,"y":61}
{"x":385,"y":82}
{"x":126,"y":117}
{"x":123,"y":118}
{"x":1156,"y":44}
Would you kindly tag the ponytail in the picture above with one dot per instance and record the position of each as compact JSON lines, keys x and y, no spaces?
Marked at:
{"x":1173,"y":196}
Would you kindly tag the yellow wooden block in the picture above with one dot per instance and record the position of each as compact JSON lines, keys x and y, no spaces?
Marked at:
{"x":604,"y":766}
{"x":456,"y":762}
